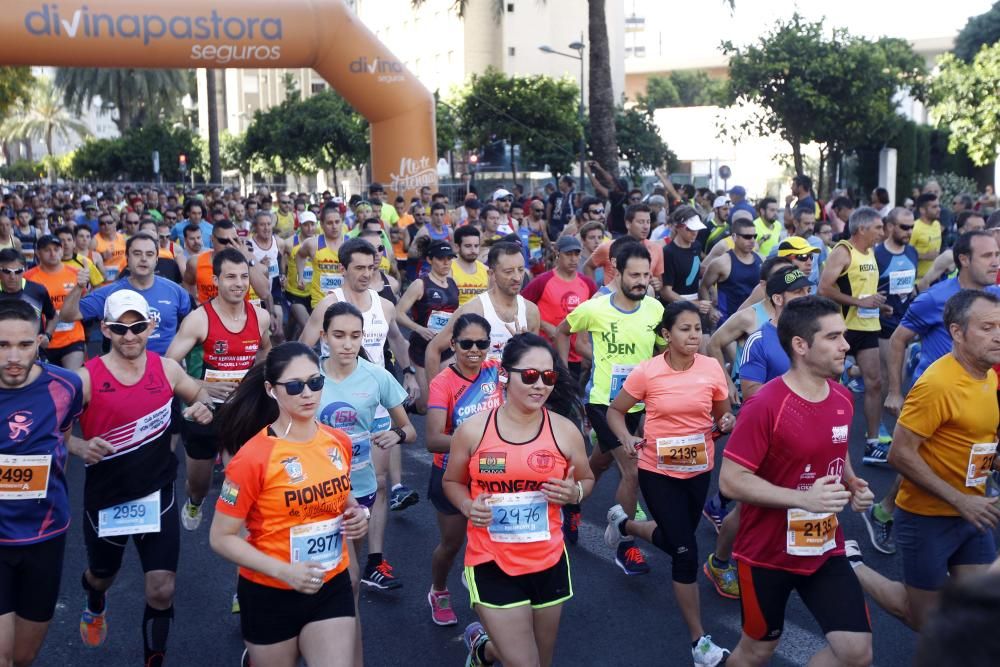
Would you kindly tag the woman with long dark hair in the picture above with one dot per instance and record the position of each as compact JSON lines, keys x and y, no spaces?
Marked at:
{"x":510,"y":472}
{"x":294,"y":588}
{"x":468,"y":386}
{"x":684,"y":392}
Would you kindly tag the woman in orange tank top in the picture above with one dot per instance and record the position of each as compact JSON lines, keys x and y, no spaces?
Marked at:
{"x":510,"y":471}
{"x":289,"y":486}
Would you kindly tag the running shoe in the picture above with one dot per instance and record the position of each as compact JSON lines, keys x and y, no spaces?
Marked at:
{"x":856,"y":385}
{"x":631,"y":559}
{"x":725,"y":580}
{"x":571,"y":523}
{"x":93,"y":627}
{"x":879,"y":532}
{"x":707,"y":653}
{"x":441,"y":611}
{"x":876,"y":453}
{"x":853,"y":552}
{"x":715,"y":511}
{"x":381,"y":577}
{"x":640,"y":514}
{"x":612,"y":535}
{"x":474,"y":637}
{"x":236,"y":604}
{"x":402,"y":497}
{"x":191,"y":515}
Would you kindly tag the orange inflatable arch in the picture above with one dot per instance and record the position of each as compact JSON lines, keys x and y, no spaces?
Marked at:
{"x":322,"y":34}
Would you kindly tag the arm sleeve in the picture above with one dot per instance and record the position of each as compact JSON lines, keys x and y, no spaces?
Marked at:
{"x":749,"y":441}
{"x":437,"y":394}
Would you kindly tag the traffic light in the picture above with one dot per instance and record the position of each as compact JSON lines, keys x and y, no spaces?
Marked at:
{"x":184,"y":160}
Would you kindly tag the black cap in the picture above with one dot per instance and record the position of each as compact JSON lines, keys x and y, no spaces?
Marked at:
{"x":46,"y":240}
{"x":787,"y":280}
{"x":440,"y":249}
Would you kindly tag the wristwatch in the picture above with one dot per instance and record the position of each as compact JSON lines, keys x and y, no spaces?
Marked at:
{"x":400,"y":432}
{"x":410,"y":370}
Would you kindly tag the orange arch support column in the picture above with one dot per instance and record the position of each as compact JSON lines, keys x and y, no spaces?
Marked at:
{"x":322,"y":34}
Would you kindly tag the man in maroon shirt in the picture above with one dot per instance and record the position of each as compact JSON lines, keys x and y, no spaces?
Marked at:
{"x":787,"y":462}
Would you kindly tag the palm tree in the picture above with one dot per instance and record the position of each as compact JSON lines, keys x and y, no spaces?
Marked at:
{"x":45,"y":117}
{"x":138,"y":95}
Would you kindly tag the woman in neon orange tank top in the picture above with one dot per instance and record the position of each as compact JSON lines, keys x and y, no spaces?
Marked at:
{"x":508,"y":475}
{"x":289,"y":486}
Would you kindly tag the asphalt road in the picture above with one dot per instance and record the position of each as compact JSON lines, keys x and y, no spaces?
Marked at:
{"x":613,"y":619}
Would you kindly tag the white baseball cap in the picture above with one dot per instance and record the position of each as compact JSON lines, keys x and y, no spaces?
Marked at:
{"x":124,"y":301}
{"x":501,"y":193}
{"x":695,"y":224}
{"x":720,"y":201}
{"x":307,"y":216}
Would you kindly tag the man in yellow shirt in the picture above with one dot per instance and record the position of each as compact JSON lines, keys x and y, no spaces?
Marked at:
{"x":926,"y":238}
{"x":768,"y":226}
{"x":944,"y":446}
{"x":284,"y":218}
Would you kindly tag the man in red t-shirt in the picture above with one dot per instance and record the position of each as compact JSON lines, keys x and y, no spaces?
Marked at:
{"x":558,"y":292}
{"x":787,"y":462}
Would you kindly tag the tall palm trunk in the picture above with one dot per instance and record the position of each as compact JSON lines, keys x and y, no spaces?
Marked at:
{"x":603,"y":141}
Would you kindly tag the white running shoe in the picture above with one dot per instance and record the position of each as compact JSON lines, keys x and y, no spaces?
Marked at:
{"x":612,"y":536}
{"x":707,"y":653}
{"x":191,"y":515}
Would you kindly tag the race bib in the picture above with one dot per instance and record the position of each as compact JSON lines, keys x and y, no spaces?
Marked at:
{"x":307,"y":274}
{"x":519,"y":517}
{"x":110,"y":273}
{"x":215,"y":375}
{"x":330,"y":281}
{"x":810,"y":534}
{"x":867,"y":313}
{"x":272,"y":269}
{"x":980,"y":463}
{"x":438,"y":320}
{"x":130,"y":518}
{"x":901,"y":282}
{"x":361,"y":451}
{"x":318,"y":542}
{"x":24,"y":477}
{"x":65,"y":326}
{"x":619,"y":373}
{"x":683,"y":454}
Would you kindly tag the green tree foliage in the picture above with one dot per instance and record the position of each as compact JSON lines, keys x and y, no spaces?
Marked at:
{"x":446,"y":122}
{"x":965,"y":98}
{"x":15,"y":87}
{"x":979,"y":31}
{"x":640,"y":144}
{"x":140,"y":96}
{"x":130,"y":156}
{"x":683,"y":89}
{"x":537,"y":113}
{"x":810,"y":86}
{"x":320,"y":132}
{"x":24,"y":171}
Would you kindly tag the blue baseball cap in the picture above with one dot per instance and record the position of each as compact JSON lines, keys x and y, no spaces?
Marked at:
{"x":738,"y":190}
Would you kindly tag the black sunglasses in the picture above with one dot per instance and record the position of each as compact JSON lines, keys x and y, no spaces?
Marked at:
{"x":596,"y":211}
{"x":747,"y":237}
{"x":531,"y":375}
{"x":467,"y":343}
{"x":119,"y":329}
{"x":13,"y":272}
{"x":906,"y":228}
{"x":296,"y":387}
{"x":223,"y":241}
{"x":804,"y":258}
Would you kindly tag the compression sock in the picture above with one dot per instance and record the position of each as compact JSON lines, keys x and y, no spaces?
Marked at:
{"x":374,"y":559}
{"x":95,"y":598}
{"x":155,"y":628}
{"x":720,"y":563}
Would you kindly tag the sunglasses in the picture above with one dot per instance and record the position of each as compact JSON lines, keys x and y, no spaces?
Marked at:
{"x":467,"y":343}
{"x":906,"y":228}
{"x":223,"y":241}
{"x":13,"y":272}
{"x":296,"y":387}
{"x":170,"y":217}
{"x":747,"y":237}
{"x":531,"y":375}
{"x":596,"y":211}
{"x":119,"y":329}
{"x":803,"y":258}
{"x":538,"y":210}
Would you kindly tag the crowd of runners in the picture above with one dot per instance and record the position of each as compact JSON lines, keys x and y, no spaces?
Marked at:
{"x":291,"y":344}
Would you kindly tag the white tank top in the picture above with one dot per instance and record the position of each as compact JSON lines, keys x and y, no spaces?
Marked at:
{"x":499,"y":333}
{"x":266,"y":257}
{"x":376,"y":326}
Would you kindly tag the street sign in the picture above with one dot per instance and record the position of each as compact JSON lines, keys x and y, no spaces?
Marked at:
{"x":725,"y":172}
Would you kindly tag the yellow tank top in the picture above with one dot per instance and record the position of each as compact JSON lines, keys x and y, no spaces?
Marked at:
{"x":328,"y":273}
{"x":859,"y":280}
{"x":116,"y":264}
{"x":469,"y":285}
{"x":292,"y":272}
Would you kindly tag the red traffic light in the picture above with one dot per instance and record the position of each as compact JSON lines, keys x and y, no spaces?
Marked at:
{"x":473,"y":158}
{"x":184,"y":159}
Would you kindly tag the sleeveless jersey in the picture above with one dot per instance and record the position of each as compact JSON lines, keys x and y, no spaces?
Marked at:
{"x":375,"y":324}
{"x":207,"y":289}
{"x":461,"y":397}
{"x":228,"y":355}
{"x":28,"y":240}
{"x":32,"y":419}
{"x":135,"y":420}
{"x":328,"y":273}
{"x":735,"y":289}
{"x":114,"y":266}
{"x":436,"y":299}
{"x":292,"y":272}
{"x":499,"y":333}
{"x":469,"y":285}
{"x":291,"y":496}
{"x":268,"y":256}
{"x":860,"y":279}
{"x":504,"y":468}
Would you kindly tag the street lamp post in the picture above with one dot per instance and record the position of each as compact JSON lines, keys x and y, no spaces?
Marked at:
{"x":578,"y":47}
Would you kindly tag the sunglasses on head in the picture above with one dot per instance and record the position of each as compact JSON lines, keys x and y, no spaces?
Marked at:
{"x":906,"y":228}
{"x":747,"y":237}
{"x":467,"y":343}
{"x":119,"y":329}
{"x":13,"y":272}
{"x":531,"y":375}
{"x":296,"y":387}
